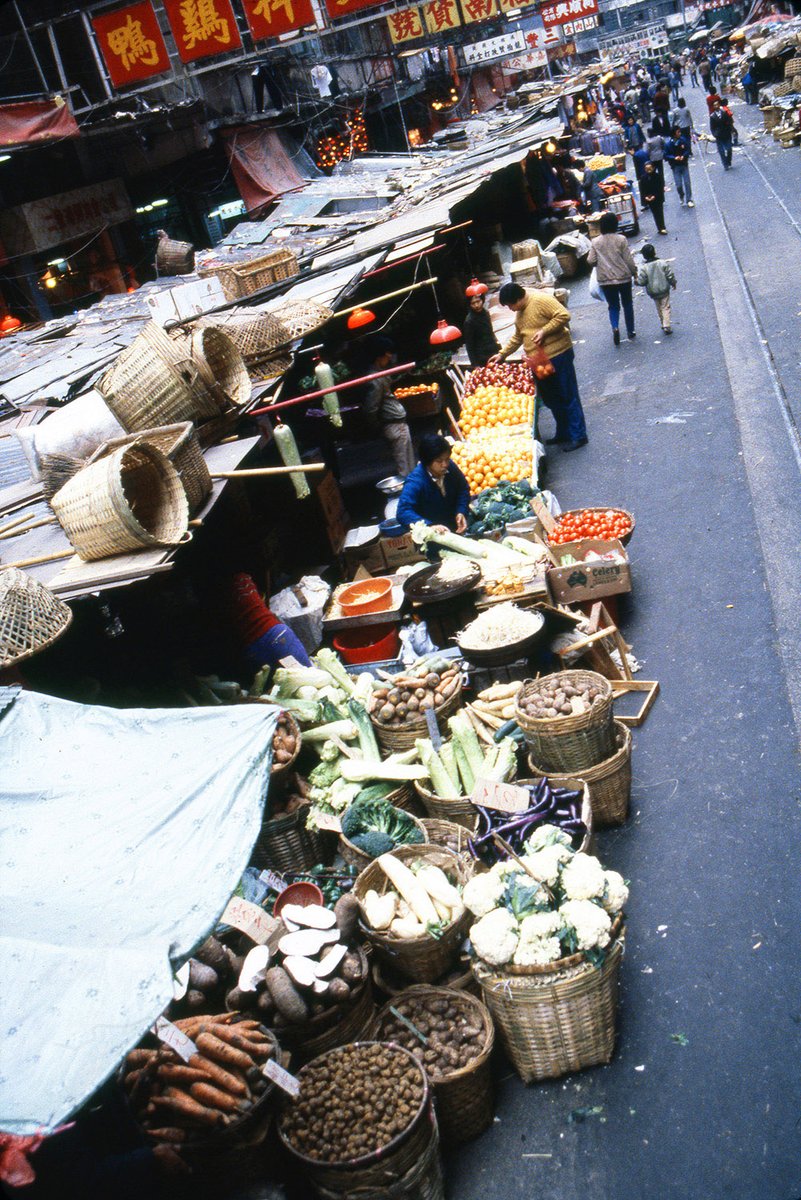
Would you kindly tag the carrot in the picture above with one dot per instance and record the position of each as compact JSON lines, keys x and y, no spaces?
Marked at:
{"x":212,"y":1097}
{"x":168,"y":1073}
{"x":189,"y":1108}
{"x":167,"y":1133}
{"x":239,"y":1041}
{"x":194,"y":1025}
{"x":226,"y":1055}
{"x":132,"y":1078}
{"x":223,"y":1079}
{"x":140,"y":1058}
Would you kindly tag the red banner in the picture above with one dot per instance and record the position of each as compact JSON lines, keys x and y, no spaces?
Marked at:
{"x":131,"y":43}
{"x":202,"y":27}
{"x":340,"y":8}
{"x":36,"y":121}
{"x":268,"y":18}
{"x":567,"y":10}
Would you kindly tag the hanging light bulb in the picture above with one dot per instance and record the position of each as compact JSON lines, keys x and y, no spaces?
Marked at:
{"x":476,"y":288}
{"x":9,"y":324}
{"x":444,"y":333}
{"x":359,"y":317}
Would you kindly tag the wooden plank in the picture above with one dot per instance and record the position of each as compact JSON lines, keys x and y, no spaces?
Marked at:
{"x":621,"y":687}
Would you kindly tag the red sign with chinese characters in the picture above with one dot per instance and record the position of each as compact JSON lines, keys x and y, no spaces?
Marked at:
{"x":202,"y":27}
{"x":269,"y":18}
{"x":567,"y":10}
{"x":131,"y":43}
{"x":478,"y":10}
{"x":339,"y":8}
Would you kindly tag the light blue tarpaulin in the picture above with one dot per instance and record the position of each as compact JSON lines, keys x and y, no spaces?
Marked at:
{"x":122,"y":835}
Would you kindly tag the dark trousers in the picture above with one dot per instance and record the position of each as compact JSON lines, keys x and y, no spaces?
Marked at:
{"x":724,"y":150}
{"x":657,"y":208}
{"x":618,"y":294}
{"x":560,"y":394}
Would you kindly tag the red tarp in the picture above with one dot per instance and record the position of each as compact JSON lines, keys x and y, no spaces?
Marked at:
{"x":261,"y":166}
{"x":36,"y":121}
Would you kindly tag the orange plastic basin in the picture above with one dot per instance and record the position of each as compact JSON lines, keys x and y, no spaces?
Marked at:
{"x":366,"y":596}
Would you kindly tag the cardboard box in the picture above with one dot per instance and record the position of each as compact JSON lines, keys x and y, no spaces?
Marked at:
{"x":588,"y":581}
{"x":186,"y":300}
{"x":398,"y":551}
{"x":332,"y":508}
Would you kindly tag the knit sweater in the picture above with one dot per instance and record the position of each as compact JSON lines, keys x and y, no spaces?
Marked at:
{"x":541,"y":312}
{"x":612,"y":259}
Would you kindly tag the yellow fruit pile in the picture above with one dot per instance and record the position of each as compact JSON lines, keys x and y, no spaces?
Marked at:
{"x":492,"y":405}
{"x":492,"y":457}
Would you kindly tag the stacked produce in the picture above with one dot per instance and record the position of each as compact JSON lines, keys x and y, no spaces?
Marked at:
{"x":376,"y":827}
{"x":491,"y":405}
{"x":560,"y":807}
{"x":405,"y":702}
{"x":490,"y":555}
{"x":498,"y":627}
{"x":454,"y":768}
{"x":495,"y":706}
{"x":497,"y":506}
{"x":606,"y":524}
{"x":515,"y":375}
{"x":445,"y":1037}
{"x":555,"y":902}
{"x":421,"y":900}
{"x":556,"y":697}
{"x":175,"y":1100}
{"x":285,"y":741}
{"x":494,"y":457}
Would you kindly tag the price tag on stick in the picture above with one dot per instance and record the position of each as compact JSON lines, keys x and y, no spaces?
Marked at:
{"x":288,"y":1083}
{"x":171,"y":1036}
{"x":250,"y":919}
{"x":501,"y":797}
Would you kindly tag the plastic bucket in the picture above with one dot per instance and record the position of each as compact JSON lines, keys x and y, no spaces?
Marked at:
{"x":371,"y":644}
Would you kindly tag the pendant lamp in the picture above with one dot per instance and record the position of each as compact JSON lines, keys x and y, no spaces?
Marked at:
{"x":476,"y":288}
{"x":359,"y":317}
{"x":444,"y":333}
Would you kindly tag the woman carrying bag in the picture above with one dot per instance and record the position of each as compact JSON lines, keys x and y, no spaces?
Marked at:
{"x":615,"y":269}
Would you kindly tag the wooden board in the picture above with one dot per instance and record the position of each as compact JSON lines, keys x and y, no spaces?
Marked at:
{"x":621,"y":687}
{"x":334,"y":619}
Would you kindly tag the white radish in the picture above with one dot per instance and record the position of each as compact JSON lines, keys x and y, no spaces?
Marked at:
{"x":379,"y":910}
{"x":307,"y":942}
{"x":438,"y":886}
{"x":409,"y":886}
{"x":330,"y":961}
{"x":407,"y":927}
{"x":300,"y":970}
{"x":310,"y":916}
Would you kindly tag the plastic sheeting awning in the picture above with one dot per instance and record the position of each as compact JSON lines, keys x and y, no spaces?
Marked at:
{"x":261,"y":165}
{"x":123,"y":836}
{"x":36,"y":121}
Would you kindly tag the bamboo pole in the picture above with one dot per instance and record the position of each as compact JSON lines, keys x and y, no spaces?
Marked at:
{"x":257,"y":472}
{"x":343,"y":312}
{"x":453,"y":424}
{"x":44,"y":558}
{"x":339,"y":387}
{"x":26,"y":528}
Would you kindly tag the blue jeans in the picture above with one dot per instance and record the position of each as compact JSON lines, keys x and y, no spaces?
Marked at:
{"x":560,"y":394}
{"x":617,"y":294}
{"x":681,"y":178}
{"x":724,"y":150}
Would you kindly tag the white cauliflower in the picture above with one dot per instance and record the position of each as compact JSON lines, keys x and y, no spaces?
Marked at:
{"x":616,"y":894}
{"x":544,"y":864}
{"x":583,"y":878}
{"x":495,"y":936}
{"x":589,"y":921}
{"x":482,"y":893}
{"x":536,"y":952}
{"x":548,"y":835}
{"x":540,"y":925}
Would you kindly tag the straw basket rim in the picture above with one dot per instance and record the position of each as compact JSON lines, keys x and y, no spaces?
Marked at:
{"x":360,"y":856}
{"x":569,"y":962}
{"x":402,"y":736}
{"x":434,"y":825}
{"x":601,"y":770}
{"x":31,"y":616}
{"x":594,"y":715}
{"x":374,"y":1156}
{"x":457,"y":804}
{"x":420,"y":990}
{"x":378,"y":969}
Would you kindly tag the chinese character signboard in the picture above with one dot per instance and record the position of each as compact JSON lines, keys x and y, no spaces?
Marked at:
{"x":529,"y":60}
{"x":131,"y":44}
{"x":542,"y":39}
{"x":478,"y":10}
{"x":269,"y":18}
{"x":405,"y":25}
{"x":571,"y":28}
{"x":562,"y":11}
{"x":440,"y":15}
{"x":41,"y":224}
{"x":202,"y":27}
{"x":494,"y":48}
{"x":506,"y":6}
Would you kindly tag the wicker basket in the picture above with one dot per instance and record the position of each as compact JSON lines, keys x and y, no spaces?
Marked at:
{"x":459,"y":812}
{"x":128,"y":500}
{"x":463,"y":1099}
{"x":388,"y":980}
{"x":569,"y":744}
{"x":422,"y":959}
{"x":609,"y":782}
{"x":31,"y":617}
{"x":393,"y":739}
{"x":557,"y":1018}
{"x":450,"y":835}
{"x":154,"y":382}
{"x":279,"y":771}
{"x":338,"y":1025}
{"x":792,"y":67}
{"x":355,"y":857}
{"x":239,"y":279}
{"x":256,"y":336}
{"x":174,"y":258}
{"x":221,"y":370}
{"x":181,"y":446}
{"x":285,"y":844}
{"x":301,"y":317}
{"x":407,"y":1169}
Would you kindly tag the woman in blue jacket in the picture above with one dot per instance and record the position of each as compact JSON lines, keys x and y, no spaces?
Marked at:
{"x":436,"y":491}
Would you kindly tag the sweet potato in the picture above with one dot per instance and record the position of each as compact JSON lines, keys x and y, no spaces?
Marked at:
{"x":287,"y":999}
{"x":346,"y":911}
{"x":212,"y":954}
{"x":201,"y":977}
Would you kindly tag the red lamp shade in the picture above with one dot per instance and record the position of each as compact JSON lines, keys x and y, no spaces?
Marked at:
{"x":444,"y":333}
{"x":476,"y":288}
{"x":359,"y":317}
{"x":9,"y":324}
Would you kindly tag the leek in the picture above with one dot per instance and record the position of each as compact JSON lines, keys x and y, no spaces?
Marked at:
{"x":364,"y":727}
{"x":465,"y":735}
{"x":465,"y":770}
{"x":441,"y":783}
{"x":358,"y":770}
{"x":448,"y":757}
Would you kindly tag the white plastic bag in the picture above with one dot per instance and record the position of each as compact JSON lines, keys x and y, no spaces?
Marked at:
{"x":415,"y":642}
{"x":75,"y":430}
{"x":595,"y":287}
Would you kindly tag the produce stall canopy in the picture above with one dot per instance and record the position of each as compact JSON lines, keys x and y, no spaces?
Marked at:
{"x":120,"y":847}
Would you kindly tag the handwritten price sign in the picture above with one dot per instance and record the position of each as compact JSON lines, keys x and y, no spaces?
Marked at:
{"x":285,"y":1081}
{"x":171,"y":1036}
{"x":501,"y":797}
{"x":250,"y":919}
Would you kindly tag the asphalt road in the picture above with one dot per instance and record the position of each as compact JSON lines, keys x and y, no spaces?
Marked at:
{"x":697,"y":435}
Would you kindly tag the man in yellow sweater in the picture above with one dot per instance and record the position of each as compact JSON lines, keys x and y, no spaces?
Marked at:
{"x":543,"y":323}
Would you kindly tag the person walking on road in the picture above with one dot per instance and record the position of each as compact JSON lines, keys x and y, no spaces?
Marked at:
{"x":711,"y":98}
{"x":678,"y":151}
{"x":652,"y":195}
{"x":656,"y":151}
{"x":721,"y":126}
{"x":705,"y":73}
{"x":682,"y":117}
{"x":657,"y":277}
{"x":750,"y":89}
{"x":615,"y":267}
{"x":542,"y":324}
{"x":674,"y":80}
{"x":693,"y":68}
{"x":633,"y":134}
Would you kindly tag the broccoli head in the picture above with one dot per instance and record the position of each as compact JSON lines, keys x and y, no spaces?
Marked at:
{"x":375,"y":843}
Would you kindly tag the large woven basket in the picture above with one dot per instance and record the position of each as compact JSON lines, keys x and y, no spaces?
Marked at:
{"x":131,"y":499}
{"x":221,"y":370}
{"x":31,"y":617}
{"x":792,"y":67}
{"x":569,"y":744}
{"x":181,"y":445}
{"x":449,"y":834}
{"x":463,"y":1099}
{"x":355,"y":857}
{"x":256,"y":335}
{"x":301,"y":317}
{"x":337,"y":1026}
{"x":609,"y":782}
{"x":408,"y":1168}
{"x":459,"y":812}
{"x":173,"y":257}
{"x":389,"y":981}
{"x":392,"y":738}
{"x":423,"y":959}
{"x":155,"y":382}
{"x":240,"y":279}
{"x":557,"y":1018}
{"x":285,"y":844}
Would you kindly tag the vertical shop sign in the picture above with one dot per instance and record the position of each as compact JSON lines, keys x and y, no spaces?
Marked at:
{"x":269,"y":18}
{"x":478,"y":10}
{"x":440,"y":15}
{"x":405,"y":25}
{"x":131,"y":43}
{"x":202,"y":27}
